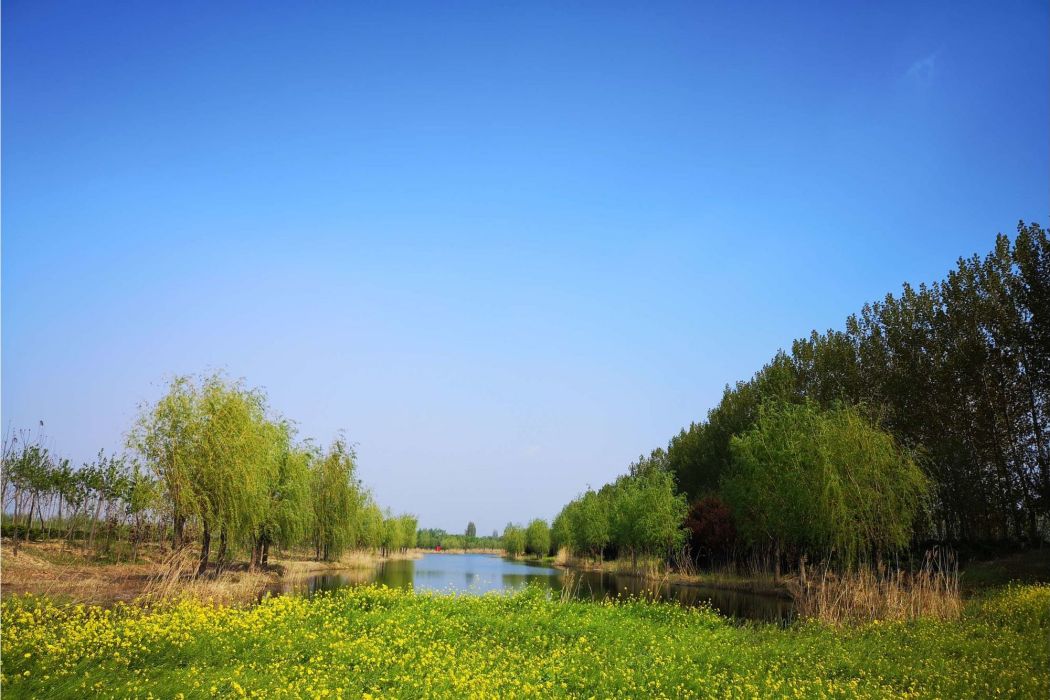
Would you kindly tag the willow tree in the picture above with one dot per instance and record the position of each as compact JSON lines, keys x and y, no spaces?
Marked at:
{"x":538,"y":538}
{"x":209,"y":444}
{"x":166,"y":436}
{"x":829,"y":483}
{"x":371,"y":530}
{"x":235,"y":464}
{"x":647,"y":514}
{"x":589,"y":524}
{"x":288,"y":511}
{"x":337,"y":501}
{"x":408,"y":524}
{"x":560,"y":535}
{"x":513,"y":540}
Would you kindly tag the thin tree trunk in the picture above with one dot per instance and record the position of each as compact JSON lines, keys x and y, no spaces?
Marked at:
{"x":205,"y":550}
{"x":137,"y":525}
{"x":256,"y":556}
{"x":52,"y":520}
{"x":14,"y":522}
{"x":221,"y":560}
{"x":71,"y":525}
{"x":94,"y":523}
{"x":29,"y":521}
{"x":178,"y":532}
{"x":60,"y":499}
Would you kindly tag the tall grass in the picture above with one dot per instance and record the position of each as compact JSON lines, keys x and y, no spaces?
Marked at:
{"x":866,"y":594}
{"x":176,"y":578}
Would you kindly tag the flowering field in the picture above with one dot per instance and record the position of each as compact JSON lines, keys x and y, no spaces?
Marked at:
{"x":378,"y":642}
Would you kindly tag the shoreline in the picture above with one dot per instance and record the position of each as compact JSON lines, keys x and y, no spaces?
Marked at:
{"x":64,"y":573}
{"x":725,"y":582}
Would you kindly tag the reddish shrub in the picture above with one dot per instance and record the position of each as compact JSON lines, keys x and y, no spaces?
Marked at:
{"x":710,"y":525}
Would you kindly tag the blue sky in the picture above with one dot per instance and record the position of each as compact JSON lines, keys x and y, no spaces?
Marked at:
{"x":506,"y":246}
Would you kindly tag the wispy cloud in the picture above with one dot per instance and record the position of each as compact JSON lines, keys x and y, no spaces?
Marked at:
{"x":923,"y":70}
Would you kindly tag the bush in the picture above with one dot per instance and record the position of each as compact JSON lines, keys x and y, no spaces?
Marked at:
{"x":710,"y":525}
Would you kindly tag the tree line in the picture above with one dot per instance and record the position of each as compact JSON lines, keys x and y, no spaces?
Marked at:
{"x":432,"y":538}
{"x":924,"y":419}
{"x":209,"y":461}
{"x":533,"y":539}
{"x":106,"y":498}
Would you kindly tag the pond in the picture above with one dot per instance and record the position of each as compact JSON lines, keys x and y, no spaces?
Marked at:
{"x":481,"y":573}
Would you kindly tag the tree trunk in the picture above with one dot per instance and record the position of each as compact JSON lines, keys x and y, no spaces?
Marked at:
{"x":52,"y":520}
{"x":205,"y":550}
{"x":178,"y":532}
{"x":40,"y":517}
{"x":72,"y":526}
{"x":59,"y":517}
{"x":221,"y":560}
{"x":94,"y":522}
{"x":29,"y":522}
{"x":266,"y":553}
{"x":14,"y":522}
{"x":776,"y":563}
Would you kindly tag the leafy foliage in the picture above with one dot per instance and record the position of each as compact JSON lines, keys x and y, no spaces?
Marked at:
{"x":959,"y":369}
{"x":825,"y":482}
{"x":538,"y":538}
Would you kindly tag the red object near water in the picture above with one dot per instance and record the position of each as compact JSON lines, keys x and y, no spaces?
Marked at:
{"x":437,"y":548}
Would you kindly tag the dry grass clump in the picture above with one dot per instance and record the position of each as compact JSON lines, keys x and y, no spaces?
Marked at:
{"x":176,"y":578}
{"x":866,"y":594}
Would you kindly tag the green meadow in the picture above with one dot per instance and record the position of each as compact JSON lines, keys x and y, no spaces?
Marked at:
{"x":374,"y":642}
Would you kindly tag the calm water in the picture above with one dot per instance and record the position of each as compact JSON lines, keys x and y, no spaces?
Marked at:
{"x":481,"y":573}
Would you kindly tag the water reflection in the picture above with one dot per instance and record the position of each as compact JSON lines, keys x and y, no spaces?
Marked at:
{"x":482,"y":573}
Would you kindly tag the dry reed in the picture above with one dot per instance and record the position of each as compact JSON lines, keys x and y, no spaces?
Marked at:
{"x":867,"y":594}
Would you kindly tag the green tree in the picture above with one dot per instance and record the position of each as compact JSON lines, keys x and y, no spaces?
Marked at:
{"x":560,"y":534}
{"x":647,"y":514}
{"x":289,"y":511}
{"x":165,"y":436}
{"x":513,"y":540}
{"x":470,"y":536}
{"x":823,"y":482}
{"x":337,"y":501}
{"x":538,"y":538}
{"x":589,"y":523}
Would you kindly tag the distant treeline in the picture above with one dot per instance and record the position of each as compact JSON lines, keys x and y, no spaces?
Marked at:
{"x":925,"y":418}
{"x":431,"y":538}
{"x":209,"y":458}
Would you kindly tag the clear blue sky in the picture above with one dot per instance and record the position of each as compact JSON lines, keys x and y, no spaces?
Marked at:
{"x":506,"y":246}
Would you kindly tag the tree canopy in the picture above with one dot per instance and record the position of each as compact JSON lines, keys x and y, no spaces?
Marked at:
{"x":827,"y":482}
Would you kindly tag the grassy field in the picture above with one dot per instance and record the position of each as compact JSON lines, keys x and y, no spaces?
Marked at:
{"x":378,"y":642}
